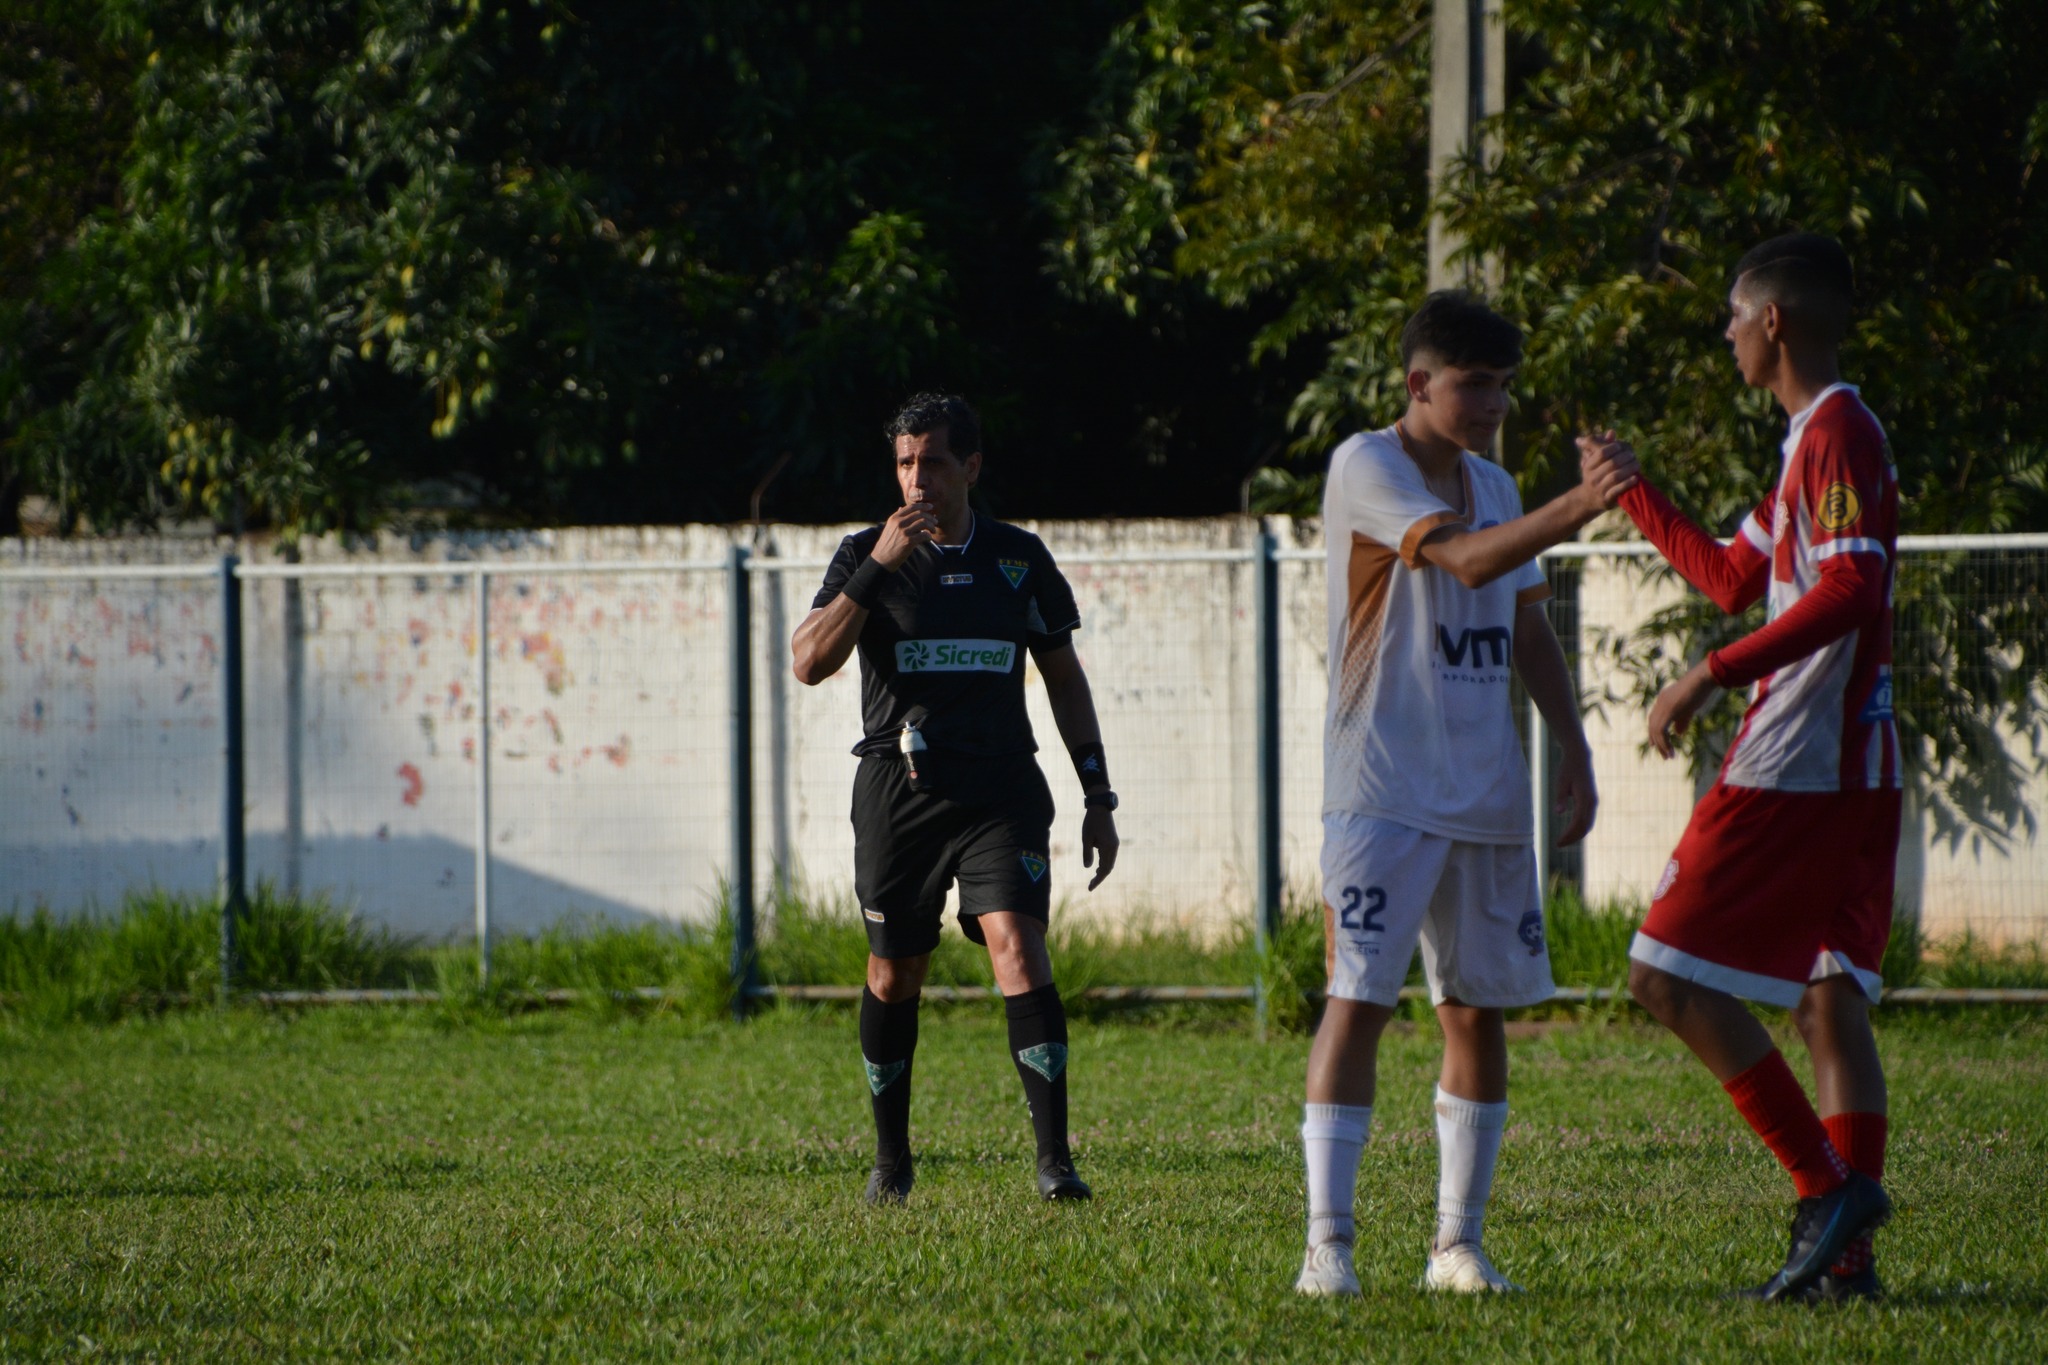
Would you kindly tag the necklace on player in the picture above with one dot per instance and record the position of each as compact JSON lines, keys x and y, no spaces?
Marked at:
{"x":1455,"y":496}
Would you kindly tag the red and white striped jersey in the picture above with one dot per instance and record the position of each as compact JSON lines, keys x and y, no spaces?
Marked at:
{"x":1823,"y":547}
{"x":1822,"y":721}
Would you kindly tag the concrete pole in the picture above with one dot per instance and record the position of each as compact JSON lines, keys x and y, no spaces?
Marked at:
{"x":1467,"y":83}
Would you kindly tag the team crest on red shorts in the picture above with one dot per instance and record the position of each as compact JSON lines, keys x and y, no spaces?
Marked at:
{"x":1664,"y":882}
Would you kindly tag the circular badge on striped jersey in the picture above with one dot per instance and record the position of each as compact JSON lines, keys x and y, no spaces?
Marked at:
{"x":1839,"y":507}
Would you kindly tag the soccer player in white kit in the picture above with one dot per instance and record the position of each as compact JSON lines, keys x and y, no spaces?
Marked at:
{"x":1434,"y":596}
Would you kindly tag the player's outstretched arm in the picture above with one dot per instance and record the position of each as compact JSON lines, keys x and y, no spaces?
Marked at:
{"x":1734,"y":576}
{"x":1476,"y":558}
{"x":1073,"y":711}
{"x":1540,"y":662}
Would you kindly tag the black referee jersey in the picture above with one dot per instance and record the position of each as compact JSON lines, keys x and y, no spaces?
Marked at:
{"x":944,"y":646}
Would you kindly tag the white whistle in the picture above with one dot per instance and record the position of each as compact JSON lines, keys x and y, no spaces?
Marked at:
{"x":910,"y":743}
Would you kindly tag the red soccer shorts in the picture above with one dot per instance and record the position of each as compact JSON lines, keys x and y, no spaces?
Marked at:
{"x":1771,"y":890}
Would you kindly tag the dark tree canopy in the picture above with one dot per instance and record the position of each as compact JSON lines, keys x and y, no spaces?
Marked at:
{"x":327,"y":263}
{"x":316,"y":263}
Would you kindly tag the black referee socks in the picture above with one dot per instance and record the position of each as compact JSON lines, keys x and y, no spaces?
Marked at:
{"x":1038,"y":1044}
{"x":888,"y":1041}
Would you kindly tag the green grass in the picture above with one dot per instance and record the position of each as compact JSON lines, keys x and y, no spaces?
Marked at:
{"x":158,"y":950}
{"x":377,"y":1184}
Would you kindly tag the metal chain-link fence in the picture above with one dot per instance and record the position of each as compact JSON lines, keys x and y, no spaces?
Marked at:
{"x":598,"y":765}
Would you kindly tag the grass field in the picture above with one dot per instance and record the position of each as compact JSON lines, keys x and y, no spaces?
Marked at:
{"x":389,"y":1184}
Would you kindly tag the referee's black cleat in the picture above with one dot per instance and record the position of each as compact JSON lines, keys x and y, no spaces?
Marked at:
{"x":889,"y":1183}
{"x":1057,"y":1181}
{"x":1822,"y":1229}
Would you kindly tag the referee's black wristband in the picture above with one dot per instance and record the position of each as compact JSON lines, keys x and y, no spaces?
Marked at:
{"x":1090,"y":765}
{"x":864,"y":588}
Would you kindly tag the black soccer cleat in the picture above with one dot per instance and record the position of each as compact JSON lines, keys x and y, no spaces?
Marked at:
{"x":1058,"y":1182}
{"x":1862,"y":1287}
{"x":890,"y":1182}
{"x":1822,"y":1229}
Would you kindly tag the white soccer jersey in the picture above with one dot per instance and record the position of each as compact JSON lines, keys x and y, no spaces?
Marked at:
{"x":1418,"y":728}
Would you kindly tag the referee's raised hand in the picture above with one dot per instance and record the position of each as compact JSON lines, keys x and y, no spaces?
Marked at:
{"x":909,"y":526}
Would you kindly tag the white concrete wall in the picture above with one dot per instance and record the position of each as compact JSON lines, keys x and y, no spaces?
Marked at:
{"x":608,"y":733}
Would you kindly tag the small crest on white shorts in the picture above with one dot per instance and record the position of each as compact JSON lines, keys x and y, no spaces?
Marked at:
{"x":1530,"y":931}
{"x":1664,"y":882}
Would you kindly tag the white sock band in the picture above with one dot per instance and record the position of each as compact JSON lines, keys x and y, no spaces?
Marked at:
{"x":1468,"y":1145}
{"x":1332,"y":1135}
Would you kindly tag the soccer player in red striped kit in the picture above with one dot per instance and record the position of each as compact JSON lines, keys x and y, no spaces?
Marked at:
{"x":1780,"y":890}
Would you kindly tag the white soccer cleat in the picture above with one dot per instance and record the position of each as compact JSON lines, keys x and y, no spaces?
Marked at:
{"x":1464,"y":1269}
{"x":1326,"y":1271}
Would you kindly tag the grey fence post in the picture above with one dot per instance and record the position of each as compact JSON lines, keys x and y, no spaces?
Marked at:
{"x":483,"y":777}
{"x":740,"y":687}
{"x":1539,"y":802}
{"x":1266,"y":615}
{"x":234,"y":864}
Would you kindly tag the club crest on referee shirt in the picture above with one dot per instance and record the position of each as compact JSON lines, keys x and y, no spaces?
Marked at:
{"x":1014,"y":570}
{"x":1034,"y":866}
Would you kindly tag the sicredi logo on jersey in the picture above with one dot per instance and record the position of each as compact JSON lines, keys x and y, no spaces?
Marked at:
{"x":955,"y":656}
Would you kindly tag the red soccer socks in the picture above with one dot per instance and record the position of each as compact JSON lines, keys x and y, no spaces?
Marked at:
{"x":1769,"y":1098}
{"x":1860,"y":1139}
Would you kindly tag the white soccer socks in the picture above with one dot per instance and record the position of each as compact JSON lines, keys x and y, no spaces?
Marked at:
{"x":1332,"y":1136}
{"x":1468,"y":1143}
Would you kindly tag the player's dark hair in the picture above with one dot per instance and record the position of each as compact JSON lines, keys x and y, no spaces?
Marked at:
{"x":927,"y":412}
{"x":1808,"y":276}
{"x":1456,"y":328}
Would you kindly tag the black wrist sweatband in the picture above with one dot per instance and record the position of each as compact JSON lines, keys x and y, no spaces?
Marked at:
{"x":864,"y":587}
{"x":1090,"y":765}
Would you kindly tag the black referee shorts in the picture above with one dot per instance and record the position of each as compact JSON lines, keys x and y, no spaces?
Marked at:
{"x":989,"y":826}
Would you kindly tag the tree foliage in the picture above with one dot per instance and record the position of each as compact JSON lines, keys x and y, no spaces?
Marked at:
{"x":1644,"y":147}
{"x":1264,"y":152}
{"x":311,"y":262}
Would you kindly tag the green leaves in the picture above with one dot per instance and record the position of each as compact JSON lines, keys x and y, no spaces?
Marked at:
{"x":1273,"y":158}
{"x":358,"y":249}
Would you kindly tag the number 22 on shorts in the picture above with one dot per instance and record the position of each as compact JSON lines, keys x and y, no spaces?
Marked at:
{"x":1372,"y":900}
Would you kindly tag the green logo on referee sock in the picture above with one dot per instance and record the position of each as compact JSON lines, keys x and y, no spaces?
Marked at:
{"x":1034,"y":866}
{"x":1047,"y":1059}
{"x":881,"y":1077}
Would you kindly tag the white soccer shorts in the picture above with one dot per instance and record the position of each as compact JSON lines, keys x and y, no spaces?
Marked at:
{"x":1474,"y":907}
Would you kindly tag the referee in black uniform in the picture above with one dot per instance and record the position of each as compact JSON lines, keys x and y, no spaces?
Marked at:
{"x":942,"y":605}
